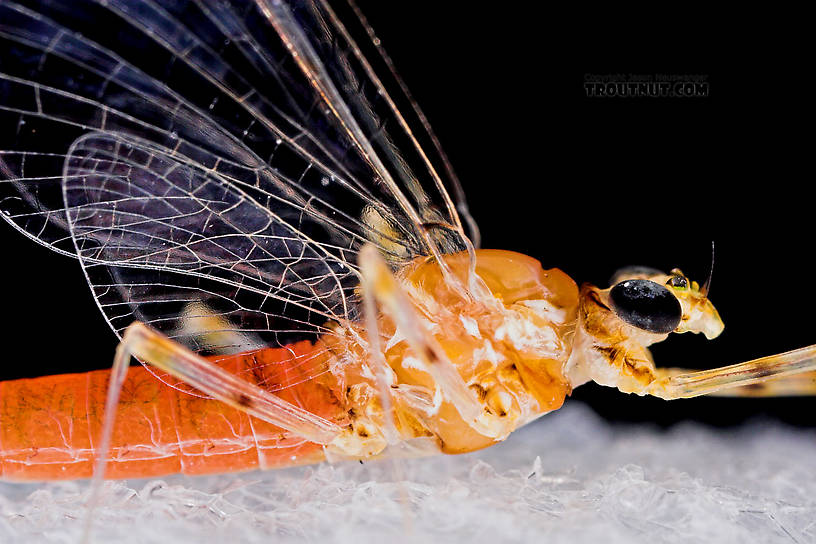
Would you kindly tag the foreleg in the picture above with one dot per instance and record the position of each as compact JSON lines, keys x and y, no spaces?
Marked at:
{"x":790,"y":373}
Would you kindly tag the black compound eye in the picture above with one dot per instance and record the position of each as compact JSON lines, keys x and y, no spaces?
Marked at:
{"x":646,"y":305}
{"x":678,"y":281}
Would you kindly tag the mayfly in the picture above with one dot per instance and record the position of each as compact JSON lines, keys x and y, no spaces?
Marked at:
{"x":267,"y":221}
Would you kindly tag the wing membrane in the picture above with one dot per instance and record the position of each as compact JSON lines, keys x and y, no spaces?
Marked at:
{"x":231,"y":153}
{"x":160,"y":240}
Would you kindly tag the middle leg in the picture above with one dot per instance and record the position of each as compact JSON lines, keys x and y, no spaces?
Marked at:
{"x":382,"y":287}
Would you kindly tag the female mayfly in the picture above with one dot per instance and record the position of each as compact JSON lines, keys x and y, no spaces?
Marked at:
{"x":268,"y":223}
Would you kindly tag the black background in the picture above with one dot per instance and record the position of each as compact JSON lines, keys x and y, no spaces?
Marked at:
{"x":584,"y":184}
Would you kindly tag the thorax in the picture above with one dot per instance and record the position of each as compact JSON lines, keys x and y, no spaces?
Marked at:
{"x":508,"y":333}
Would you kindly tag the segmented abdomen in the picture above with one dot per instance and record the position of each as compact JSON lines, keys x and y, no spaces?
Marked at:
{"x":50,"y":426}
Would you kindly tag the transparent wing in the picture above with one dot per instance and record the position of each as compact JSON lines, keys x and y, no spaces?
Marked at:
{"x":225,"y":155}
{"x":410,"y":107}
{"x":262,"y":84}
{"x":168,"y":243}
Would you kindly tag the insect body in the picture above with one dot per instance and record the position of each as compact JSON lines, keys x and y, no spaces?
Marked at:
{"x":516,"y":356}
{"x":509,"y":352}
{"x":274,"y":236}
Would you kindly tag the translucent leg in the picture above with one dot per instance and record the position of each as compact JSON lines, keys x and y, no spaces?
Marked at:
{"x":377,"y":358}
{"x":378,"y":280}
{"x":382,"y":372}
{"x":157,"y":350}
{"x":797,"y":385}
{"x":786,"y":373}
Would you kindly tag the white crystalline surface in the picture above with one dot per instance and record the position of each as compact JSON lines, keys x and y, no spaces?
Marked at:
{"x":569,"y":477}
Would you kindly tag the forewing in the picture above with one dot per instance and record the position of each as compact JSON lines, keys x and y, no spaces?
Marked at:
{"x":220,"y":155}
{"x":228,"y":78}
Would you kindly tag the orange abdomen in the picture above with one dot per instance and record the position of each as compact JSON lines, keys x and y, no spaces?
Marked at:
{"x":50,"y":426}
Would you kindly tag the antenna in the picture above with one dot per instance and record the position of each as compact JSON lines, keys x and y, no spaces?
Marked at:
{"x":707,"y":285}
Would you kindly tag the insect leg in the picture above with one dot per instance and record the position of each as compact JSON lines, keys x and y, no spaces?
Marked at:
{"x":377,"y":358}
{"x":383,"y":287}
{"x":790,"y":373}
{"x":161,"y":352}
{"x":796,"y":385}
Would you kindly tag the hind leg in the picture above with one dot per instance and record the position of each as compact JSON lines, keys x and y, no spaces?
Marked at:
{"x":160,"y":351}
{"x":157,"y":350}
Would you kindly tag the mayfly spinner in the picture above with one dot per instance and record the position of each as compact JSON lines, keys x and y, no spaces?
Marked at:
{"x":266,"y":219}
